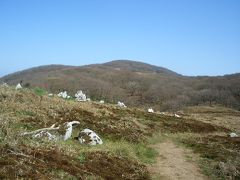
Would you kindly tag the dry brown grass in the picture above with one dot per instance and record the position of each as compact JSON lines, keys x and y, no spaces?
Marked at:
{"x":220,"y":154}
{"x":221,"y":116}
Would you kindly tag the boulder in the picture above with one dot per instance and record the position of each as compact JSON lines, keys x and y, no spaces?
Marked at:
{"x":80,"y":96}
{"x":89,"y":137}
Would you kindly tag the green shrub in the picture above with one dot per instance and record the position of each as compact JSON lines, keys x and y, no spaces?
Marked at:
{"x":39,"y":91}
{"x":146,"y":154}
{"x":82,"y":158}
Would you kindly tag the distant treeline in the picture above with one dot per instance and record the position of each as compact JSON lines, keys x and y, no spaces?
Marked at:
{"x":136,"y":84}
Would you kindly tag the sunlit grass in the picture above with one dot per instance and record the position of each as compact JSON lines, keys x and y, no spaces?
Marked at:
{"x":139,"y":151}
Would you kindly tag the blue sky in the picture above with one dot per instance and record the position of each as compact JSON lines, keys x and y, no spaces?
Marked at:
{"x":191,"y":37}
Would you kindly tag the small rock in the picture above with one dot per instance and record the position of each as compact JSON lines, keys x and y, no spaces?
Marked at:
{"x":121,"y":104}
{"x":80,"y":96}
{"x":101,"y":102}
{"x":63,"y":94}
{"x":18,"y":86}
{"x":45,"y":134}
{"x":176,"y":115}
{"x":232,"y":135}
{"x":4,"y":85}
{"x":150,"y":110}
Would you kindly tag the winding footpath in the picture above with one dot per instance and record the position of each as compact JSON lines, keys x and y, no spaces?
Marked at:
{"x":174,"y":163}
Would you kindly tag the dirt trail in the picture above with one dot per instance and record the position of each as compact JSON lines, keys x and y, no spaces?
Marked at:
{"x":174,"y":163}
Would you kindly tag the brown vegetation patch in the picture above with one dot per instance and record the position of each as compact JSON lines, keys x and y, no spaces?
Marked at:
{"x":114,"y":167}
{"x":172,"y":124}
{"x":216,"y":147}
{"x":220,"y":150}
{"x":220,"y":116}
{"x":45,"y":163}
{"x":28,"y":162}
{"x":184,"y":125}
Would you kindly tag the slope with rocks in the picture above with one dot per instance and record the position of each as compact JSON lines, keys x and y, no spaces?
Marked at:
{"x":126,"y":132}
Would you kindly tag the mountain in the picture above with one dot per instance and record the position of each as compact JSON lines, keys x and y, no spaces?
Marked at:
{"x":136,"y":83}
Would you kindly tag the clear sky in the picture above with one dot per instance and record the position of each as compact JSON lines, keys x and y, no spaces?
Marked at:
{"x":191,"y":37}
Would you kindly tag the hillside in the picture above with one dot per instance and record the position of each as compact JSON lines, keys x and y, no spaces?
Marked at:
{"x":129,"y":135}
{"x":137,"y":84}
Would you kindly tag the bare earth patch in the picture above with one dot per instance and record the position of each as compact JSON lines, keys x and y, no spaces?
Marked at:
{"x":174,"y":162}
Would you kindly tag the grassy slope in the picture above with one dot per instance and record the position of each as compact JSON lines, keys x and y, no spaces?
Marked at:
{"x":125,"y":133}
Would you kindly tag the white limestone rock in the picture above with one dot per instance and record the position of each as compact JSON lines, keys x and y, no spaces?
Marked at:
{"x":18,"y":86}
{"x":176,"y":115}
{"x":232,"y":135}
{"x":80,"y":96}
{"x":121,"y":104}
{"x":101,"y":102}
{"x":62,"y":132}
{"x":89,"y":137}
{"x":45,"y":134}
{"x":150,"y":110}
{"x":4,"y":85}
{"x":64,"y":95}
{"x":68,"y":126}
